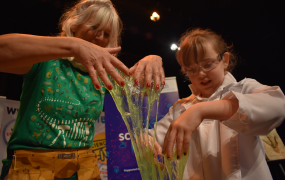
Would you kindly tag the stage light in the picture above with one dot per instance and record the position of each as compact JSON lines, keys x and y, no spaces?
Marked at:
{"x":173,"y":47}
{"x":155,"y":16}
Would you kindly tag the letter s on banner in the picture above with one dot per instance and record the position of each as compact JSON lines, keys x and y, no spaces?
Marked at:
{"x":121,"y":135}
{"x":125,"y":136}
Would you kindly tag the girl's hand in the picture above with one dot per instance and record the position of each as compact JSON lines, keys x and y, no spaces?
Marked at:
{"x":183,"y":127}
{"x":94,"y":57}
{"x":151,"y":67}
{"x":157,"y":151}
{"x":157,"y":148}
{"x":180,"y":131}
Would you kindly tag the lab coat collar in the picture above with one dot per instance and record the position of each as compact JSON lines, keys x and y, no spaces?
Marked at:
{"x":227,"y":80}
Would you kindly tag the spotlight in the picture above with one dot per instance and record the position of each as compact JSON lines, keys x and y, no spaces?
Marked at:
{"x":173,"y":47}
{"x":155,"y":16}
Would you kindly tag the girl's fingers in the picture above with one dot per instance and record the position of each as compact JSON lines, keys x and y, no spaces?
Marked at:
{"x":158,"y":148}
{"x":186,"y":142}
{"x":142,"y":141}
{"x":158,"y":165}
{"x":179,"y":143}
{"x":161,"y":165}
{"x":154,"y":152}
{"x":170,"y":143}
{"x":165,"y":140}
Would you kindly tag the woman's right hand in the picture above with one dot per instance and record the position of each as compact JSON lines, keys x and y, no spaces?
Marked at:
{"x":95,"y":58}
{"x":18,"y":53}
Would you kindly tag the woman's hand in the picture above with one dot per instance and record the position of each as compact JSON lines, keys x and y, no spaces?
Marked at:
{"x":180,"y":131}
{"x":94,"y":57}
{"x":151,"y":67}
{"x":18,"y":53}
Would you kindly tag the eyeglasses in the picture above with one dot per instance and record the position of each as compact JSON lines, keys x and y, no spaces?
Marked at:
{"x":206,"y":65}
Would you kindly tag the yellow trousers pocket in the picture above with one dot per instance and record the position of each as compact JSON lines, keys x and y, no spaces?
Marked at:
{"x":65,"y":167}
{"x":31,"y":174}
{"x":34,"y":174}
{"x":86,"y":174}
{"x":87,"y":166}
{"x":31,"y":167}
{"x":41,"y":174}
{"x":18,"y":174}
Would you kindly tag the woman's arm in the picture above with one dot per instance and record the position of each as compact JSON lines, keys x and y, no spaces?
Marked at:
{"x":18,"y":53}
{"x":19,"y":50}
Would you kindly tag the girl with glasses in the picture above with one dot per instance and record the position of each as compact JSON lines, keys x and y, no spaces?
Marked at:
{"x":220,"y":123}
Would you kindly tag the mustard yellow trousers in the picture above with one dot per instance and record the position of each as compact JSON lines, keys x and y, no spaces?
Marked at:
{"x":46,"y":165}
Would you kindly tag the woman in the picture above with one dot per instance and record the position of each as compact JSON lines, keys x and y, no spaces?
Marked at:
{"x":53,"y":132}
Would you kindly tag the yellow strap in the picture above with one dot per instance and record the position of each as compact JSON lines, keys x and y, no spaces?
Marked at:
{"x":15,"y":162}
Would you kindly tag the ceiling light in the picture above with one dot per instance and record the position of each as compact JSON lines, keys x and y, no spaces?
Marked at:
{"x":173,"y":47}
{"x":155,"y":16}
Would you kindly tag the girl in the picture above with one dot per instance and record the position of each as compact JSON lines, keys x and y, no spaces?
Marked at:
{"x":220,"y":123}
{"x":54,"y":129}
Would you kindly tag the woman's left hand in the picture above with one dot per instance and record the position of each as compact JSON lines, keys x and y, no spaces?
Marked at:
{"x":151,"y":66}
{"x":180,"y":131}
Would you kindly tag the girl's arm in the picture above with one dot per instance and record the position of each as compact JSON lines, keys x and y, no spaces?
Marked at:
{"x":183,"y":127}
{"x":261,"y":108}
{"x":163,"y":124}
{"x":250,"y":108}
{"x":18,"y":53}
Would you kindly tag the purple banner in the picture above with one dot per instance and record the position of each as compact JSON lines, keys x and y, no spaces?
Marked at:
{"x":121,"y":161}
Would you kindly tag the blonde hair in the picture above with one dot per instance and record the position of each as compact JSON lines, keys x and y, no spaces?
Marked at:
{"x":195,"y":40}
{"x":106,"y":15}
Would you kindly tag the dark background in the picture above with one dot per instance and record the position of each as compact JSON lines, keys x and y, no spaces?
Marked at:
{"x":254,"y":27}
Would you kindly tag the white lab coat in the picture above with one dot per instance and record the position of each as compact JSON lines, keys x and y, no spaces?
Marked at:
{"x":232,"y":149}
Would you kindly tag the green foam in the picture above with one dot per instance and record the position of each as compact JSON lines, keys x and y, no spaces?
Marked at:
{"x":129,"y":101}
